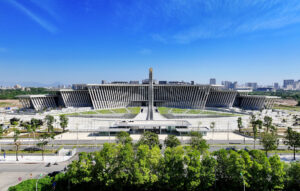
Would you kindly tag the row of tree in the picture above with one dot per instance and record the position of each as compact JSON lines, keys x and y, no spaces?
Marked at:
{"x":148,"y":165}
{"x":269,"y":138}
{"x":12,"y":93}
{"x":31,"y":127}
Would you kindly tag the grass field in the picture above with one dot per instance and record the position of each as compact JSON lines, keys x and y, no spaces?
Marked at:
{"x":165,"y":110}
{"x":132,"y":110}
{"x":289,"y":108}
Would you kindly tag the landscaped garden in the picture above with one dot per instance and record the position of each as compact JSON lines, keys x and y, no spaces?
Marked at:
{"x":128,"y":110}
{"x":166,"y":110}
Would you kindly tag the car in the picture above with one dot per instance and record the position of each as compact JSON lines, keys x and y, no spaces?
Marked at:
{"x":32,"y":149}
{"x":231,"y":149}
{"x":53,"y":174}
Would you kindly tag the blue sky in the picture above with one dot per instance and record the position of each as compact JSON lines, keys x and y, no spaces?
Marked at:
{"x":89,"y":40}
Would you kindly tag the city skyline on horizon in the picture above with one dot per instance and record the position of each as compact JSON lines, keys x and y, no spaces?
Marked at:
{"x":90,"y":41}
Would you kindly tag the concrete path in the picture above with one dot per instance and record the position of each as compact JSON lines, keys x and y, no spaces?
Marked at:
{"x":142,"y":115}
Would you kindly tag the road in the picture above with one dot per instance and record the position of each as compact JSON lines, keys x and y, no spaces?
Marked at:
{"x":10,"y":173}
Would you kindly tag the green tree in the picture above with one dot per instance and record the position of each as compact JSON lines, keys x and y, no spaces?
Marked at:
{"x":124,"y":138}
{"x":229,"y":167}
{"x":14,"y":121}
{"x":293,"y":177}
{"x":150,"y":139}
{"x":49,"y":121}
{"x":16,"y":142}
{"x":268,"y":123}
{"x":198,"y":142}
{"x":277,"y":174}
{"x":172,"y":169}
{"x":269,"y":142}
{"x":259,"y":171}
{"x":172,"y":141}
{"x":240,"y":123}
{"x":292,"y":139}
{"x":35,"y":124}
{"x":124,"y":174}
{"x":63,"y":122}
{"x":81,"y":171}
{"x":192,"y":161}
{"x":44,"y":140}
{"x":105,"y":165}
{"x":1,"y":135}
{"x":212,"y":127}
{"x":146,"y":167}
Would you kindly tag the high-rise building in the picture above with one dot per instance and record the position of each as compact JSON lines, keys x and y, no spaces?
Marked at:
{"x":252,"y":85}
{"x":229,"y":85}
{"x":286,"y":83}
{"x":276,"y":86}
{"x":212,"y":81}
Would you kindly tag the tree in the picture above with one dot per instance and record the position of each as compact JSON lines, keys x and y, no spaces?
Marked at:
{"x":1,"y":134}
{"x":49,"y":121}
{"x":292,"y":139}
{"x":172,"y":169}
{"x":260,"y":125}
{"x":44,"y":140}
{"x":14,"y":121}
{"x":124,"y":138}
{"x":212,"y":127}
{"x":197,"y":142}
{"x":172,"y":141}
{"x":63,"y":122}
{"x":269,"y":142}
{"x":254,"y":130}
{"x":35,"y":124}
{"x":240,"y":123}
{"x":298,"y":104}
{"x":16,"y":142}
{"x":150,"y":139}
{"x":293,"y":177}
{"x":268,"y":122}
{"x":146,"y":166}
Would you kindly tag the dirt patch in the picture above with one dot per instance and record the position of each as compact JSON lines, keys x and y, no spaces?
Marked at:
{"x":287,"y":102}
{"x":10,"y":103}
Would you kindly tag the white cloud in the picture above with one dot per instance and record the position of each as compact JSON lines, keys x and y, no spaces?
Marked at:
{"x":49,"y":27}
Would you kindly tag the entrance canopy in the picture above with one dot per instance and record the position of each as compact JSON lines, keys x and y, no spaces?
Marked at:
{"x":152,"y":123}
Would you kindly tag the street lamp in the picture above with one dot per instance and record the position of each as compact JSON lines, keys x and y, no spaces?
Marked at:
{"x":243,"y":180}
{"x":37,"y":181}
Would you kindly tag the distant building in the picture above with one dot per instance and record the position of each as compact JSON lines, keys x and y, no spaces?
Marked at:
{"x":276,"y":86}
{"x":297,"y":85}
{"x":119,"y":82}
{"x":229,"y":85}
{"x":192,"y":82}
{"x":286,"y":83}
{"x":17,"y":86}
{"x":162,"y":82}
{"x":146,"y":81}
{"x":252,"y":85}
{"x":103,"y":82}
{"x":265,"y":89}
{"x":134,"y":82}
{"x":212,"y":81}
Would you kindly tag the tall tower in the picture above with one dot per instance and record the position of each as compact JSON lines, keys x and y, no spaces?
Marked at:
{"x":150,"y":96}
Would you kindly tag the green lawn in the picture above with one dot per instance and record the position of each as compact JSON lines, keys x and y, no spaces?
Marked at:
{"x":284,"y":107}
{"x":132,"y":110}
{"x":165,"y":110}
